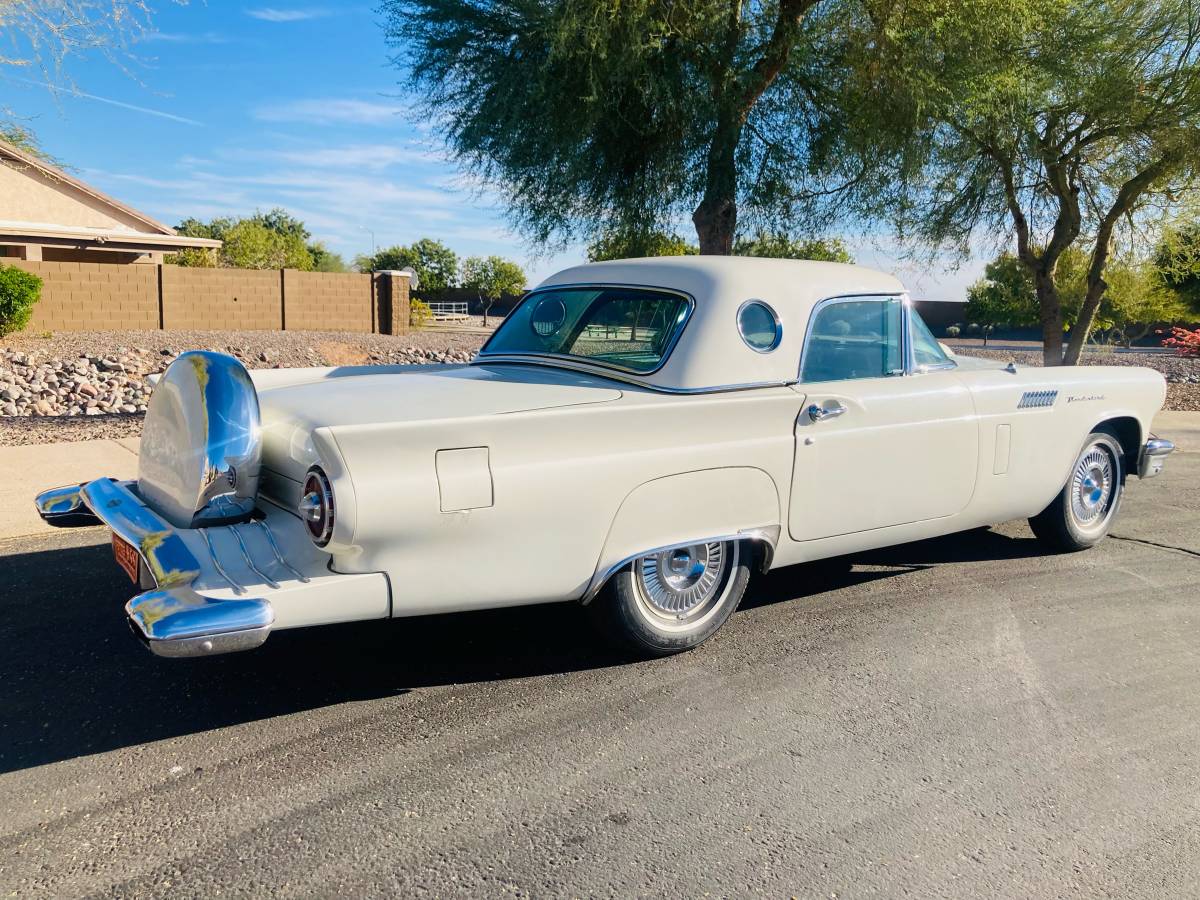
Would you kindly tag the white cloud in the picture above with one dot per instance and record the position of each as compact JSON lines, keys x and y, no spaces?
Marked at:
{"x":332,"y":111}
{"x":183,"y":37}
{"x":373,"y":157}
{"x":271,"y":14}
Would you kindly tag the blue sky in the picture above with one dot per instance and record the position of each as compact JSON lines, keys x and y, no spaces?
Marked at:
{"x":231,"y":107}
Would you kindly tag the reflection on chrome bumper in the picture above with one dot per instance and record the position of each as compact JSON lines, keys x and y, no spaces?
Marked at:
{"x":173,"y":619}
{"x":64,"y":507}
{"x":1153,"y":457}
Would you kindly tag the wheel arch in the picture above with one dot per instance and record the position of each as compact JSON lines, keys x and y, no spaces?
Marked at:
{"x":734,"y":503}
{"x":1128,"y":432}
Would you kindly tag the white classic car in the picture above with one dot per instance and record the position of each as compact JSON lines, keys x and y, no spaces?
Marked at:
{"x":637,"y":436}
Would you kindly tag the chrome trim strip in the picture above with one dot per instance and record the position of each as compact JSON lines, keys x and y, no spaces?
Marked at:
{"x":63,"y":507}
{"x":1154,"y":456}
{"x":767,"y":535}
{"x":654,"y":289}
{"x":559,"y":363}
{"x":754,"y":301}
{"x":212,"y":551}
{"x":270,"y":582}
{"x":262,"y":523}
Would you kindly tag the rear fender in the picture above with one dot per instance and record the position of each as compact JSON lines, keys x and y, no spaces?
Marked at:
{"x":693,"y":507}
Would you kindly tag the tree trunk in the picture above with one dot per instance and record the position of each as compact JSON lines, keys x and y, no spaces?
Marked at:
{"x":1051,"y":315}
{"x":1087,"y":317}
{"x":716,"y":216}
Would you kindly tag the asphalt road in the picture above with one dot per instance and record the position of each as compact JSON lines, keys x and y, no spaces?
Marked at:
{"x":955,"y":717}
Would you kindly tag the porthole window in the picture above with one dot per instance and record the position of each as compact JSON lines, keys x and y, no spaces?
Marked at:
{"x":759,"y":326}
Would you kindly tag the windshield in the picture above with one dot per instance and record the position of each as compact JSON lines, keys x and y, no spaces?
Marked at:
{"x":626,"y":328}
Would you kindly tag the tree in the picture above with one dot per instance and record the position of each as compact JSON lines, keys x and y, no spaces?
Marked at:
{"x":780,"y":246}
{"x":324,"y":259}
{"x":436,"y":264}
{"x":272,"y":240}
{"x":1177,"y":263}
{"x":491,"y":277}
{"x":39,"y":35}
{"x":1049,"y":122}
{"x":1134,"y":302}
{"x":594,"y":117}
{"x":1004,"y":296}
{"x":251,"y":245}
{"x":634,"y":245}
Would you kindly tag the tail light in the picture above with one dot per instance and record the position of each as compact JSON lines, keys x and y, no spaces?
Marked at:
{"x":316,"y":506}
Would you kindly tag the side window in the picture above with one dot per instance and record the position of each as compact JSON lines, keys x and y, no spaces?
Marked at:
{"x":855,"y":339}
{"x":926,"y":350}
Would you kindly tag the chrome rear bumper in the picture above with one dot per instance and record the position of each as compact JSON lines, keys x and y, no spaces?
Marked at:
{"x":173,"y":619}
{"x":1154,"y":456}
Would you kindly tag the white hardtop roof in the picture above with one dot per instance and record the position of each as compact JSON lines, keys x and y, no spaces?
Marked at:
{"x":711,"y":354}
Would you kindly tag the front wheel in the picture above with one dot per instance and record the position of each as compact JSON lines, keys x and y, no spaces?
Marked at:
{"x":1083,"y":512}
{"x":673,"y":600}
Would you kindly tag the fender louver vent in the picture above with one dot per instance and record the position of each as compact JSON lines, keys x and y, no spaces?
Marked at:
{"x":1033,"y":399}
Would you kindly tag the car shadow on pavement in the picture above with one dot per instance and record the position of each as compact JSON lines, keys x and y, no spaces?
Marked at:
{"x":75,"y":682}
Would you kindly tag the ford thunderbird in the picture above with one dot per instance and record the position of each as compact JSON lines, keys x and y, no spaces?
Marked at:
{"x":638,"y":436}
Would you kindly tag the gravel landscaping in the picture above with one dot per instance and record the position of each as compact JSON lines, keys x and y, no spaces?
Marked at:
{"x":83,"y":385}
{"x":86,"y":385}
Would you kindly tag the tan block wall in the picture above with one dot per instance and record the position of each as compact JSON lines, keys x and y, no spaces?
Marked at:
{"x":87,"y":296}
{"x":212,"y":299}
{"x":327,"y":301}
{"x":93,"y":296}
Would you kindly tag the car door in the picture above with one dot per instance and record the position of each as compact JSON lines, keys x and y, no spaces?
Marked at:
{"x":888,"y":433}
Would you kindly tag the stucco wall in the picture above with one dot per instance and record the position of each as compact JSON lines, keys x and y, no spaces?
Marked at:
{"x":31,"y":196}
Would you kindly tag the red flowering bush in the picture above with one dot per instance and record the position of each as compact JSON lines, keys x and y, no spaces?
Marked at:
{"x":1184,"y":342}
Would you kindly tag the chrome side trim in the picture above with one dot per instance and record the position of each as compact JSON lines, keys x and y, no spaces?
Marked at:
{"x":212,"y":551}
{"x":767,"y":535}
{"x":270,"y":582}
{"x":262,"y":523}
{"x":654,"y":289}
{"x":555,"y":362}
{"x":1154,"y":456}
{"x":63,"y":507}
{"x":178,"y":622}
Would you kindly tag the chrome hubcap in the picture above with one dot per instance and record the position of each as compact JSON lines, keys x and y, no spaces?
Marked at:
{"x":684,"y":582}
{"x":1092,"y":486}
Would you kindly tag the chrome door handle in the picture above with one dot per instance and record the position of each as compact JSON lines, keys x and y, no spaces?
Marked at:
{"x":821,"y":413}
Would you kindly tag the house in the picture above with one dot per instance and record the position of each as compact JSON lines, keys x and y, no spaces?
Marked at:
{"x":46,"y":214}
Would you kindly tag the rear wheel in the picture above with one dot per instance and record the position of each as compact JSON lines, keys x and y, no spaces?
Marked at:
{"x":673,"y":600}
{"x":1083,"y":512}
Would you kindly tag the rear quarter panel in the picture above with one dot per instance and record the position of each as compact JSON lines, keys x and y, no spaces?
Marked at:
{"x":560,"y":476}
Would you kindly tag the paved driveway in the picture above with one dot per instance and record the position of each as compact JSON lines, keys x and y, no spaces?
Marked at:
{"x":956,"y":717}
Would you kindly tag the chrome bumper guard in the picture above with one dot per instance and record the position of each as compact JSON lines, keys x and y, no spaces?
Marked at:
{"x":173,"y":619}
{"x":1154,"y":456}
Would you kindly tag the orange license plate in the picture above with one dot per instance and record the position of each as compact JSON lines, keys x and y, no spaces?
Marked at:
{"x":127,"y":558}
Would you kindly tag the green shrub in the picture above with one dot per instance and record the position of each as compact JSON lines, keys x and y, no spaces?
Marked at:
{"x":19,"y":290}
{"x":953,"y":331}
{"x":419,"y":313}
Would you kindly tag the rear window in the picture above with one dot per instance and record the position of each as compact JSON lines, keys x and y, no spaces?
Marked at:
{"x":625,"y":328}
